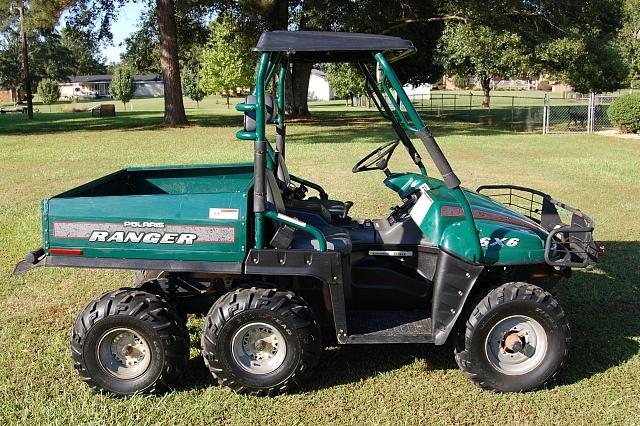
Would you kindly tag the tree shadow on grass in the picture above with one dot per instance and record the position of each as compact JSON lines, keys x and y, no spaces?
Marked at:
{"x":337,"y":126}
{"x":130,"y":121}
{"x":603,"y":306}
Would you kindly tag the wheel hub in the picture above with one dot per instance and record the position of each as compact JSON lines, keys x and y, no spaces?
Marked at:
{"x":514,"y":341}
{"x":124,"y":353}
{"x":258,"y":348}
{"x":516,"y":345}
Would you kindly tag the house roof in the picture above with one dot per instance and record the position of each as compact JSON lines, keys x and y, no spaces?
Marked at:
{"x":106,"y":78}
{"x":326,"y":46}
{"x":318,"y":73}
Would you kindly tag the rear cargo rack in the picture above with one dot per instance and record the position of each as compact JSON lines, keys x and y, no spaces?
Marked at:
{"x":570,"y":241}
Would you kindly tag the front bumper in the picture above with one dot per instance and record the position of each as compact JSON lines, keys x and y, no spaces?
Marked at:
{"x":570,"y":241}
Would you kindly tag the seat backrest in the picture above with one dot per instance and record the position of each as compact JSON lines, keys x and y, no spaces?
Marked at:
{"x":283,"y":172}
{"x":274,"y":196}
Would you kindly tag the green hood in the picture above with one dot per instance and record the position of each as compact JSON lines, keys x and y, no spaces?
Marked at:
{"x":506,"y":236}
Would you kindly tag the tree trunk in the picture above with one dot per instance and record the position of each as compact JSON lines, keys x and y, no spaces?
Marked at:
{"x":174,"y":114}
{"x":300,"y":86}
{"x":486,"y":89}
{"x":277,"y":14}
{"x":288,"y":92}
{"x":25,"y":61}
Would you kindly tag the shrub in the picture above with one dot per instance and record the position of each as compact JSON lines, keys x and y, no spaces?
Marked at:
{"x":122,"y":84}
{"x":49,"y":91}
{"x":624,"y":113}
{"x":461,"y":81}
{"x":75,"y":107}
{"x":544,"y":85}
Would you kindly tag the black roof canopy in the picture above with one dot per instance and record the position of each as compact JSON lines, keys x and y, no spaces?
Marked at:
{"x":325,"y":46}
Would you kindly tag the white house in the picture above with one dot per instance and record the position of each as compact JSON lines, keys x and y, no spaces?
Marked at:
{"x":319,"y":89}
{"x":422,"y":91}
{"x":93,"y":86}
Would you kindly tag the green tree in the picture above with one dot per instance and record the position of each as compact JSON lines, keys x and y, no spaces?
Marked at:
{"x":588,"y":64}
{"x":345,"y":80}
{"x":142,"y":48}
{"x":98,"y":16}
{"x":628,"y":40}
{"x":84,"y":51}
{"x":122,"y":84}
{"x":49,"y":91}
{"x":191,"y":86}
{"x":478,"y":50}
{"x":47,"y":58}
{"x":227,"y":63}
{"x":10,"y":66}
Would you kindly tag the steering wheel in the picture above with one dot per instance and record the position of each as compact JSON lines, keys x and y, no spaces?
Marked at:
{"x":378,"y":159}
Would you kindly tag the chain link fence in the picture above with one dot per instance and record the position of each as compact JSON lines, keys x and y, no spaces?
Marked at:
{"x":585,"y":113}
{"x":526,"y":112}
{"x":520,"y":113}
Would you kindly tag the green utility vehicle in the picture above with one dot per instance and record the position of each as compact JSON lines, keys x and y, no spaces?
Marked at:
{"x":279,"y":272}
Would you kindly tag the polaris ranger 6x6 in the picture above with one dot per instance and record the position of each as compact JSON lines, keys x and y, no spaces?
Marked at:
{"x":278,"y":272}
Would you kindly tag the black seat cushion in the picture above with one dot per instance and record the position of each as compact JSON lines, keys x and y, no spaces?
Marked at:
{"x":335,"y":207}
{"x":337,"y":238}
{"x":312,"y":205}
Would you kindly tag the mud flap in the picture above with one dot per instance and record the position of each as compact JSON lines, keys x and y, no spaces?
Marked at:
{"x":452,"y":283}
{"x":31,"y":260}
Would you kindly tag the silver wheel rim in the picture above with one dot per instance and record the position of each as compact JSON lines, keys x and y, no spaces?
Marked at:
{"x":516,"y":345}
{"x":124,"y":353}
{"x":258,"y":348}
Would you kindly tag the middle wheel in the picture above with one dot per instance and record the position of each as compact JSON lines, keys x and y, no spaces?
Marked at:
{"x":261,"y":341}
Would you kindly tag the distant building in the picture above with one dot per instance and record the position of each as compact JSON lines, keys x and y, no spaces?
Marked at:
{"x":319,"y":89}
{"x":422,"y":91}
{"x":8,"y":95}
{"x":562,"y":88}
{"x":93,"y":86}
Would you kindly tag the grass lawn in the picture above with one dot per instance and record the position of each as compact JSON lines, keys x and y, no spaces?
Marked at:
{"x":399,"y":384}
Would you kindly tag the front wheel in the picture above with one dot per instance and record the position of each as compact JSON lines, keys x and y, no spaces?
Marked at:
{"x":261,"y":341}
{"x":516,"y":339}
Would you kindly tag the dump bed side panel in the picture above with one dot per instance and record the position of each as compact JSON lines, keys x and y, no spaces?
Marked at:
{"x":200,"y":226}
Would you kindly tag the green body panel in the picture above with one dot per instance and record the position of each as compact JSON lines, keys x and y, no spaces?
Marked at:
{"x":203,"y":209}
{"x":506,"y":236}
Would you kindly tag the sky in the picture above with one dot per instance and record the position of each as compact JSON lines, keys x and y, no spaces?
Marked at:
{"x":124,"y":25}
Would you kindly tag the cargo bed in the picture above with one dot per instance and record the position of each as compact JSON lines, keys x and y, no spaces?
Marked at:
{"x":147,"y":218}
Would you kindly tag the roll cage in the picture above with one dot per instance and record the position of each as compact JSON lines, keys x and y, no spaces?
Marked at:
{"x":278,"y":49}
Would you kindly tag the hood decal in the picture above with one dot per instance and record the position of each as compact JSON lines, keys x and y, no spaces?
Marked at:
{"x":454,"y":211}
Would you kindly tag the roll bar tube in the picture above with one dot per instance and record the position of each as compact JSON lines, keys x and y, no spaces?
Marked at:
{"x":259,"y":181}
{"x":414,"y":123}
{"x":263,"y":154}
{"x":302,"y":226}
{"x":378,"y":100}
{"x":281,"y":130}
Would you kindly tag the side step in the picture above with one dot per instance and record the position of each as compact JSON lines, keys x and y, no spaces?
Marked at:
{"x":366,"y":326}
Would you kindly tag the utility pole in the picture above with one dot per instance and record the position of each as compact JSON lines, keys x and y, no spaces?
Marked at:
{"x":25,"y":60}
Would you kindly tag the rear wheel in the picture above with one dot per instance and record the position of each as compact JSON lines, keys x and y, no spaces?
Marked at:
{"x":129,"y":341}
{"x":516,"y":339}
{"x":261,"y":341}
